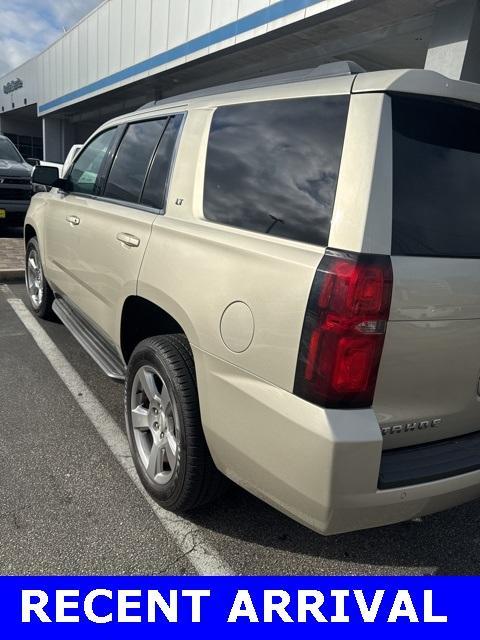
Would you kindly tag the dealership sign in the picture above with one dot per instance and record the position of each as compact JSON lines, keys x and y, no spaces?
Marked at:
{"x":12,"y":86}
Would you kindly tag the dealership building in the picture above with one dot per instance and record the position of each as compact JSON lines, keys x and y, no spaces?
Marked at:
{"x":127,"y":53}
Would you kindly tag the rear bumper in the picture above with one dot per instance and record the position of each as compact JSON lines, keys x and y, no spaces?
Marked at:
{"x":320,"y":467}
{"x":362,"y":511}
{"x":425,"y":463}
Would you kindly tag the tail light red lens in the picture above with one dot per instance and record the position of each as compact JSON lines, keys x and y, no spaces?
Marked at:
{"x":344,"y":330}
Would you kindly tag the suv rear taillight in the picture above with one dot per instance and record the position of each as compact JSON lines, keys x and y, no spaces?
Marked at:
{"x":344,"y":330}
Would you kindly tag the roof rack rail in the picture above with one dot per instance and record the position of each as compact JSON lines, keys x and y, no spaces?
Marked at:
{"x":331,"y":69}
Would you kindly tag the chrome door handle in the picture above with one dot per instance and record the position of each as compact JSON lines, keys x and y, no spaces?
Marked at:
{"x":75,"y":220}
{"x":128,"y":240}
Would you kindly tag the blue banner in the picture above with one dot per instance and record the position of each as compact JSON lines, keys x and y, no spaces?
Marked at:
{"x":107,"y":607}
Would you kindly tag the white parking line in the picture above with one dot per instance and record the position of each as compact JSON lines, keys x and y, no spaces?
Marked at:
{"x":186,"y":535}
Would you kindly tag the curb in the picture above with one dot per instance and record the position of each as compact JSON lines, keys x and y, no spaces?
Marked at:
{"x":12,"y":275}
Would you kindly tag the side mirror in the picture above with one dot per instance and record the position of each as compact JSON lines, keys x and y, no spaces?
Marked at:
{"x":48,"y":176}
{"x":35,"y":162}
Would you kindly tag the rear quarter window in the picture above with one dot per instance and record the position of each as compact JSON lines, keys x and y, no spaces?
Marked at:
{"x":272,"y":167}
{"x":436,"y":177}
{"x":127,"y":175}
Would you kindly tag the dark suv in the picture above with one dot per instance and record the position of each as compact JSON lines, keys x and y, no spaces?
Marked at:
{"x":15,"y":184}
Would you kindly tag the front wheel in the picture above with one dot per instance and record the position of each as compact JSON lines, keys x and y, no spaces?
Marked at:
{"x":40,"y":295}
{"x":164,"y":427}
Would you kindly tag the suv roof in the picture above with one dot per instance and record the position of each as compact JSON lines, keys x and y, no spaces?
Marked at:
{"x":330,"y":70}
{"x":419,"y":81}
{"x":347,"y":69}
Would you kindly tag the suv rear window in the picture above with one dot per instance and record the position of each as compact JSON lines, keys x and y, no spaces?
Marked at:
{"x":436,"y":178}
{"x":272,"y":167}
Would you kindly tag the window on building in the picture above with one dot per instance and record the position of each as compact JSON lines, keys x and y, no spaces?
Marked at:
{"x":25,"y":146}
{"x":272,"y":167}
{"x":29,"y":146}
{"x":84,"y":173}
{"x":37,"y":148}
{"x":127,"y":175}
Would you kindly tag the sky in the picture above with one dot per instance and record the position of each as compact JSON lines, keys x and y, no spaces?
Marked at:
{"x":29,"y":26}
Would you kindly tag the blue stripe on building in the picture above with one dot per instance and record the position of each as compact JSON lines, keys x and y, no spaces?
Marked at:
{"x":275,"y":11}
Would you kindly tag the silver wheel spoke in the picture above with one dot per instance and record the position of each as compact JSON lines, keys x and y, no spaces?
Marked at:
{"x":171,"y":450}
{"x":148,"y":384}
{"x":164,"y":397}
{"x":140,"y":418}
{"x":155,"y":461}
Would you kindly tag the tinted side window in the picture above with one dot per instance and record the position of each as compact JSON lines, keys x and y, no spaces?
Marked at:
{"x":84,"y":173}
{"x":436,"y":169}
{"x":156,"y":184}
{"x":131,"y":163}
{"x":272,"y":167}
{"x":8,"y":151}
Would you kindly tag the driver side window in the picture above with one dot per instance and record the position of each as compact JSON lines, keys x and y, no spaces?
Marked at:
{"x":85,"y":170}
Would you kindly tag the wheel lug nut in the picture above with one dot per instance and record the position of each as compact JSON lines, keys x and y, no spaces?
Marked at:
{"x":155,"y":425}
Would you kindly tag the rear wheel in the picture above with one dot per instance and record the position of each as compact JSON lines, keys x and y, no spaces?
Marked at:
{"x":40,"y":295}
{"x":164,"y":427}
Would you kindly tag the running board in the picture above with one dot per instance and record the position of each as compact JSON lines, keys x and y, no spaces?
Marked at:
{"x":98,"y":348}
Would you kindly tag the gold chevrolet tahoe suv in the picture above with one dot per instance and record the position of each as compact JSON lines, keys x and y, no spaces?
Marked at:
{"x":286,"y":274}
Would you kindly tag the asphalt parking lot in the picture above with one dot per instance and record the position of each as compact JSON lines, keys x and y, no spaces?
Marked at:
{"x":69,"y":505}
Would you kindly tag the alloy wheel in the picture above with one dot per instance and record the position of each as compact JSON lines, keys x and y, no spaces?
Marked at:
{"x":155,"y":425}
{"x":34,"y":277}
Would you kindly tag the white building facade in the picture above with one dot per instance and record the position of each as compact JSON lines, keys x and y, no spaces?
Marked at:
{"x":129,"y":52}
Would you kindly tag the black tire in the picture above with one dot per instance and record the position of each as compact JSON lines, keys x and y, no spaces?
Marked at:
{"x":195,"y":480}
{"x":44,"y":308}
